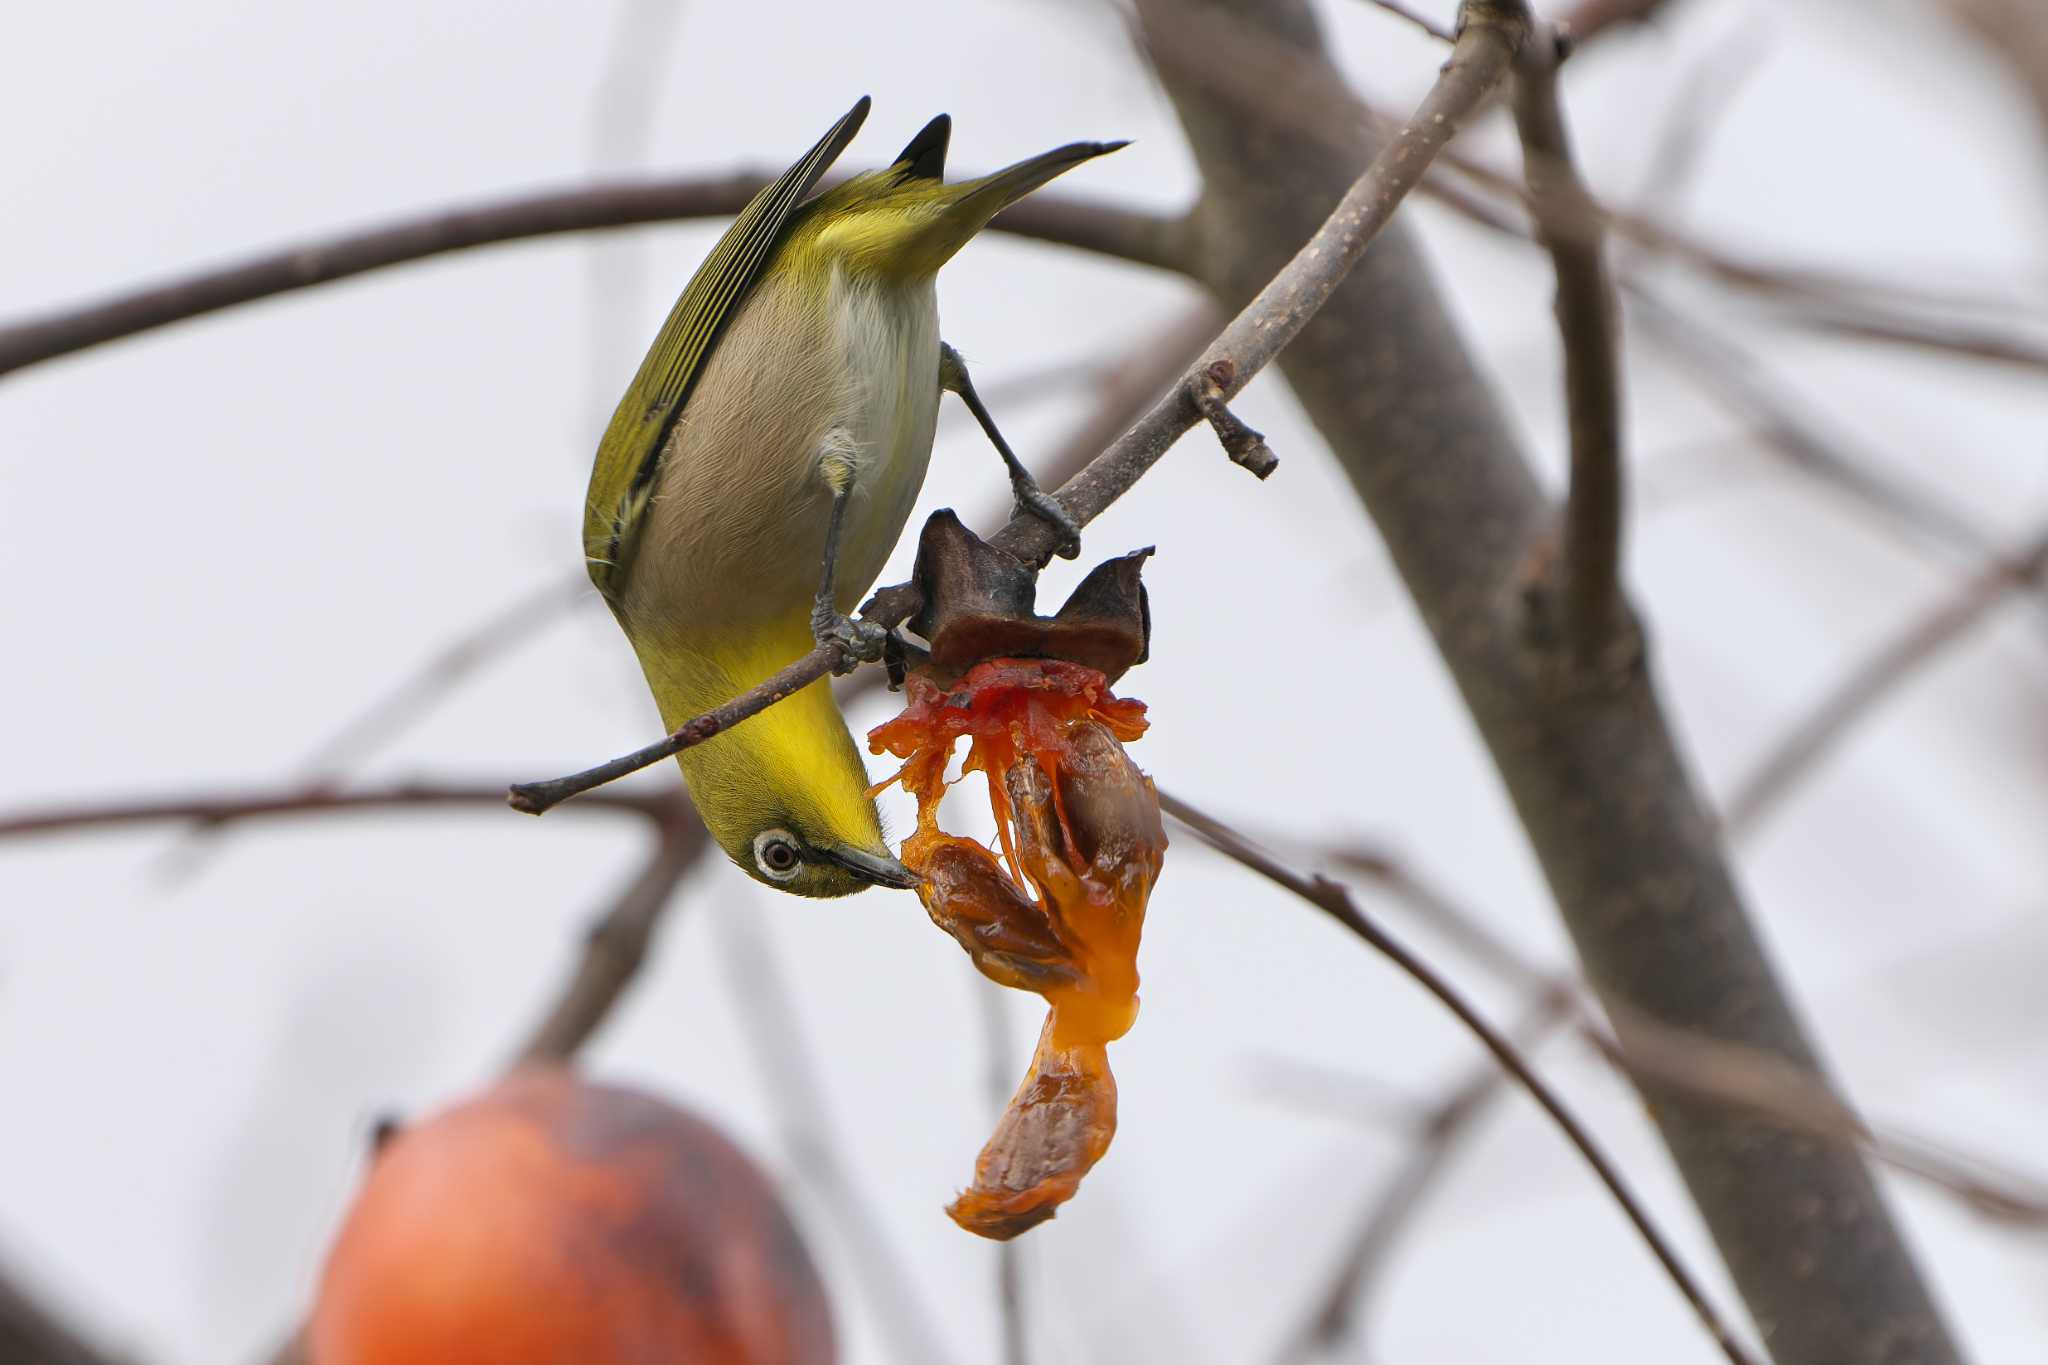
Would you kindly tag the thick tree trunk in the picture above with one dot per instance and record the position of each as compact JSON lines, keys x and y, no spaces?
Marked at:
{"x":1631,"y":853}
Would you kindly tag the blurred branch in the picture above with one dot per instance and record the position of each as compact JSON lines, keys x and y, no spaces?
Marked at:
{"x":1439,"y":1137}
{"x":1589,"y":327}
{"x":1589,"y":17}
{"x":1732,"y":1076}
{"x":1416,"y":18}
{"x":1049,"y":216}
{"x":467,"y":654}
{"x":227,"y":807}
{"x":789,"y":1073}
{"x":1694,"y":114}
{"x":1247,"y":345}
{"x":999,"y":1080}
{"x":1335,"y":901}
{"x":1462,"y":926}
{"x":31,"y":1334}
{"x":1629,"y":850}
{"x":1888,"y":668}
{"x":1747,"y":1081}
{"x":616,"y":947}
{"x":2013,"y":31}
{"x":1748,"y":386}
{"x":417,"y":691}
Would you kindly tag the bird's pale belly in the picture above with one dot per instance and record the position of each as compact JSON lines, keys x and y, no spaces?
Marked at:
{"x":859,"y":401}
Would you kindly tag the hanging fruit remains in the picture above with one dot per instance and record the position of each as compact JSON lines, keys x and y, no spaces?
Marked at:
{"x":1078,"y":825}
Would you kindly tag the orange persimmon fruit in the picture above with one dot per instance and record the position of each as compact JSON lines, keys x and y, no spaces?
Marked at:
{"x":551,"y":1221}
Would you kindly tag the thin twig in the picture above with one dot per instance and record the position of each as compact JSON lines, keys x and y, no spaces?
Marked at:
{"x":1334,"y":900}
{"x":537,"y":798}
{"x":1589,"y":326}
{"x":1247,"y":345}
{"x":1265,"y":75}
{"x":1747,"y":385}
{"x":1049,"y":216}
{"x":1693,"y":116}
{"x":1889,"y":667}
{"x":774,"y":1032}
{"x":2013,"y":31}
{"x":1465,"y":928}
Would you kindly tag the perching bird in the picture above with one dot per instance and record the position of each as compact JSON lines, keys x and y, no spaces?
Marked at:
{"x":761,"y":467}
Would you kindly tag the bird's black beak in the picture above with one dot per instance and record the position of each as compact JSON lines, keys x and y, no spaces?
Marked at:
{"x":881,"y":869}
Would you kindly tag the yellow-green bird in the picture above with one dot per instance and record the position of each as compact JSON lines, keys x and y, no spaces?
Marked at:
{"x":761,"y":467}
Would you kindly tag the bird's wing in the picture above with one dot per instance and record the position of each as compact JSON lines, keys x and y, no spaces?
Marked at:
{"x":629,"y":456}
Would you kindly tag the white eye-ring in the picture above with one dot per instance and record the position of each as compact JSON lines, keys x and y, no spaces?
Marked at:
{"x":777,"y":855}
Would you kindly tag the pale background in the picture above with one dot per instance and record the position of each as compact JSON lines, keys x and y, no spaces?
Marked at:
{"x":218,"y":541}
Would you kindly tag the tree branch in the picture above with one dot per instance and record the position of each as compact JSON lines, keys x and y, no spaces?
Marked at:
{"x":1889,"y":667}
{"x":1050,"y":216}
{"x":230,"y":807}
{"x":1589,"y":760}
{"x":1336,"y":902}
{"x":1589,"y":326}
{"x":1248,"y":343}
{"x":31,"y":1334}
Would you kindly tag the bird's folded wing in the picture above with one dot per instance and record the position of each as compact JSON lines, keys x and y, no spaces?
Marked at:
{"x":629,"y":456}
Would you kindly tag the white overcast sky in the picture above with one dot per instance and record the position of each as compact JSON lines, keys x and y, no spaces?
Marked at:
{"x":218,"y":541}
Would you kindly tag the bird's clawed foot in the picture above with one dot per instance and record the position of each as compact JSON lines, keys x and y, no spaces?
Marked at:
{"x":859,"y":642}
{"x":1043,"y":505}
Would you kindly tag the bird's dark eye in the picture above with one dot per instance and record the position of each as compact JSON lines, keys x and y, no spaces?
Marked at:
{"x":777,"y":855}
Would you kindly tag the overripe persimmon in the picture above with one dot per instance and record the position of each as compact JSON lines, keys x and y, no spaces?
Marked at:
{"x":1079,"y":828}
{"x":551,"y":1221}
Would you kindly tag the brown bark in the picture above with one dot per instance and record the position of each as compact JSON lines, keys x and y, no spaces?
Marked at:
{"x":1588,"y":756}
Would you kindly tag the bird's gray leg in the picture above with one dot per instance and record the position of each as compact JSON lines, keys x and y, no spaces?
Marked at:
{"x":1030,"y":497}
{"x":860,"y":641}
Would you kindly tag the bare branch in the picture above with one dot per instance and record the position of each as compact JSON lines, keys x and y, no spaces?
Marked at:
{"x":1589,"y":326}
{"x":1888,"y":668}
{"x":538,"y":798}
{"x":1748,"y":1081}
{"x":1586,"y":753}
{"x":1746,"y":385}
{"x":2013,"y":31}
{"x":226,"y":807}
{"x":1128,"y":234}
{"x":1247,"y":345}
{"x":1336,"y":902}
{"x":1465,"y":928}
